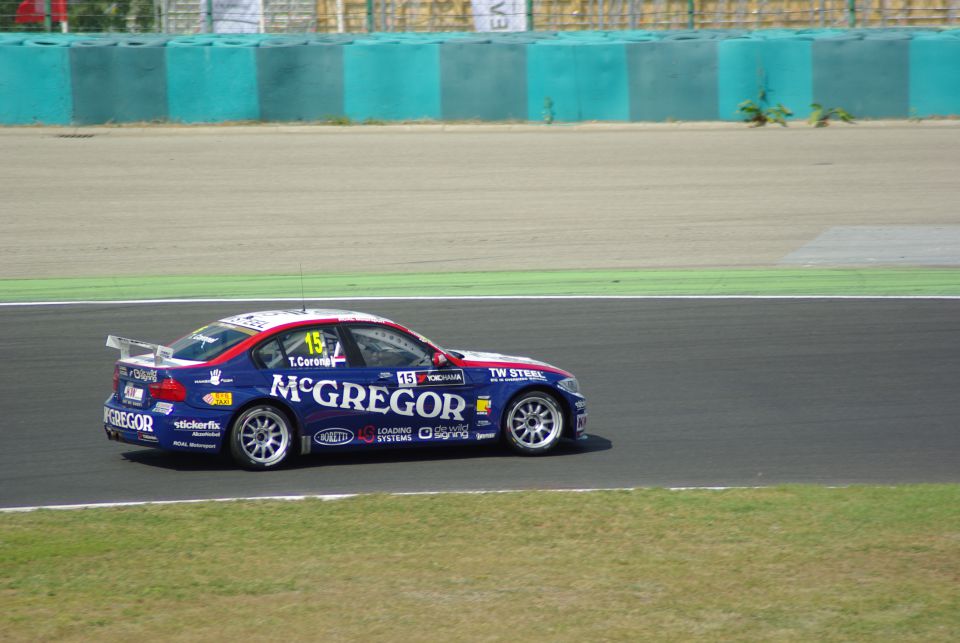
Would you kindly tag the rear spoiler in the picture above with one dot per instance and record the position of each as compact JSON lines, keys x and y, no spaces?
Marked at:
{"x":159,"y":352}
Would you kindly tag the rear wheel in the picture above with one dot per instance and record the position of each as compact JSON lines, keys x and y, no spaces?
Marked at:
{"x":261,"y":438}
{"x":533,"y":423}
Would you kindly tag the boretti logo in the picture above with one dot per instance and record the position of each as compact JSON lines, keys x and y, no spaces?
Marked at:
{"x":333,"y":437}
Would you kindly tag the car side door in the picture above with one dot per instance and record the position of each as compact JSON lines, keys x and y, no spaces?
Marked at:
{"x":306,"y":367}
{"x":421,"y":403}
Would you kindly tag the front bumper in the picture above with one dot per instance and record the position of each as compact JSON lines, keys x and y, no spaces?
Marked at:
{"x":166,"y":425}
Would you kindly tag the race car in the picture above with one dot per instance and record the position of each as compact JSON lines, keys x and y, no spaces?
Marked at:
{"x":267,"y":385}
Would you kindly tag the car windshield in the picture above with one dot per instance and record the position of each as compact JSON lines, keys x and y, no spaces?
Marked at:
{"x":208,"y":342}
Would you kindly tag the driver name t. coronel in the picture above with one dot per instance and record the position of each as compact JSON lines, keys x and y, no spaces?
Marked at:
{"x":372,"y":399}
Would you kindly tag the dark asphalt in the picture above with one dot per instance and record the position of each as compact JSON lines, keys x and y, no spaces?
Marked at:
{"x":681,"y":393}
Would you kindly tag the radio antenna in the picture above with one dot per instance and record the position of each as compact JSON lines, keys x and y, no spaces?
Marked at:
{"x":303,"y":301}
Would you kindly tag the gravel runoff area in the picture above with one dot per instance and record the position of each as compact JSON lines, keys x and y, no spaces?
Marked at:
{"x":421,"y":198}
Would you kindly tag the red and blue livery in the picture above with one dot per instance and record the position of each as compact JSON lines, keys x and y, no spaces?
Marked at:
{"x":268,"y":385}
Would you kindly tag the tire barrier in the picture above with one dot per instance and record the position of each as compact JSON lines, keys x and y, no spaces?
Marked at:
{"x":542,"y":77}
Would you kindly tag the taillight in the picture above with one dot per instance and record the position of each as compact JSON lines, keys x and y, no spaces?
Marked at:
{"x":116,"y":378}
{"x":169,"y":389}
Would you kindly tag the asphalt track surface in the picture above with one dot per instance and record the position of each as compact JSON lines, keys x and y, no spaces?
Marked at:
{"x":681,"y":393}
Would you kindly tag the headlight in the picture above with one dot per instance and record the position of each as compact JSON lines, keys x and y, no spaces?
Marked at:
{"x":570,"y":385}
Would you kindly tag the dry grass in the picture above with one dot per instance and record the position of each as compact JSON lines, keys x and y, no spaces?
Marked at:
{"x":795,"y":563}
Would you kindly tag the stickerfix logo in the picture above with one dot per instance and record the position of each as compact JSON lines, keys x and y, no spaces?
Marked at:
{"x":373,"y":399}
{"x":196,"y":425}
{"x":430,"y":378}
{"x":142,"y":374}
{"x":126,"y":420}
{"x":452,"y":432}
{"x":483,"y":405}
{"x":218,"y":399}
{"x":515,"y":375}
{"x":333,"y":437}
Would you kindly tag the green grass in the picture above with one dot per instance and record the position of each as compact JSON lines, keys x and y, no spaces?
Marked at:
{"x":790,"y":563}
{"x":785,"y":281}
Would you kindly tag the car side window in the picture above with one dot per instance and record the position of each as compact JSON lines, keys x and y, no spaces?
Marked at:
{"x":311,"y":347}
{"x":270,"y":355}
{"x":382,"y":346}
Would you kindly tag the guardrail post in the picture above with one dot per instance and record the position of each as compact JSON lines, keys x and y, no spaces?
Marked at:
{"x":209,"y":20}
{"x":852,"y":13}
{"x":529,"y":15}
{"x":369,"y":16}
{"x":691,"y":14}
{"x":47,"y":20}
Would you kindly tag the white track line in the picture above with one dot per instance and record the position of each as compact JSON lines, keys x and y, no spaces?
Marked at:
{"x":337,"y":496}
{"x":210,"y":300}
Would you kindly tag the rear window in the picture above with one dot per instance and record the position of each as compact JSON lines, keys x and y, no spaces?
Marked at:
{"x":206,"y":343}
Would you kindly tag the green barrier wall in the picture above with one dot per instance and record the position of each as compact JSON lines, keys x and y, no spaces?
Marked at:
{"x":782,"y":66}
{"x":471,"y":73}
{"x":582,"y":80}
{"x":212,"y":80}
{"x":935,"y":76}
{"x":300,"y":80}
{"x":673,"y":80}
{"x":581,"y":76}
{"x":35,"y":82}
{"x":118,"y":81}
{"x":867,"y":77}
{"x":391,"y":81}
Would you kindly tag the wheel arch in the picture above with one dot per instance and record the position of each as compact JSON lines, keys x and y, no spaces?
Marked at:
{"x":287,"y":411}
{"x":569,"y":431}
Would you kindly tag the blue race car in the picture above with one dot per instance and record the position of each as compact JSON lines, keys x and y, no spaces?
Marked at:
{"x":271,"y":384}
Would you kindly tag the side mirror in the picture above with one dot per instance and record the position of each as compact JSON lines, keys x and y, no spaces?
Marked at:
{"x":440,"y":360}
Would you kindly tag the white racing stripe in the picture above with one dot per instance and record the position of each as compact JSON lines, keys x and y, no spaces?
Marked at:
{"x":297,"y":300}
{"x":343,"y":496}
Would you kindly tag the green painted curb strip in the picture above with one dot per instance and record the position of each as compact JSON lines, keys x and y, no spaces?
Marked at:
{"x":894,"y":281}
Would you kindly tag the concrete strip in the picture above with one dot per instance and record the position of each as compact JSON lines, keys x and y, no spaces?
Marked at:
{"x":913,"y":245}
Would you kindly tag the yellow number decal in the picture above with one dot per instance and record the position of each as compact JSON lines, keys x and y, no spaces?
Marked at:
{"x":314,"y":342}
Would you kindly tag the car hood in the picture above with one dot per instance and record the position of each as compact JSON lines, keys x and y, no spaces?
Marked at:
{"x":482,"y":359}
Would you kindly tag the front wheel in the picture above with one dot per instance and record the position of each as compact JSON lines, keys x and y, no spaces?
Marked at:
{"x":261,"y":438}
{"x":533,"y":423}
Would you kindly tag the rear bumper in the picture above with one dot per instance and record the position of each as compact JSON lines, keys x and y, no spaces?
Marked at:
{"x":169,"y":426}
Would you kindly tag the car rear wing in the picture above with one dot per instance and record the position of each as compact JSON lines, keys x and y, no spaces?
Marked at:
{"x":159,"y":352}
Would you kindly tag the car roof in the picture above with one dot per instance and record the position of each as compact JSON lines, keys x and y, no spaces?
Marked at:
{"x":265,"y":320}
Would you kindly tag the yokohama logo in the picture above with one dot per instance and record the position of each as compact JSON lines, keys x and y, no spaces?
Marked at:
{"x":430,"y":378}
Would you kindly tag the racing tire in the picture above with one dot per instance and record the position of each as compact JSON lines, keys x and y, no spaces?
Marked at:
{"x":533,"y":423}
{"x":261,"y":438}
